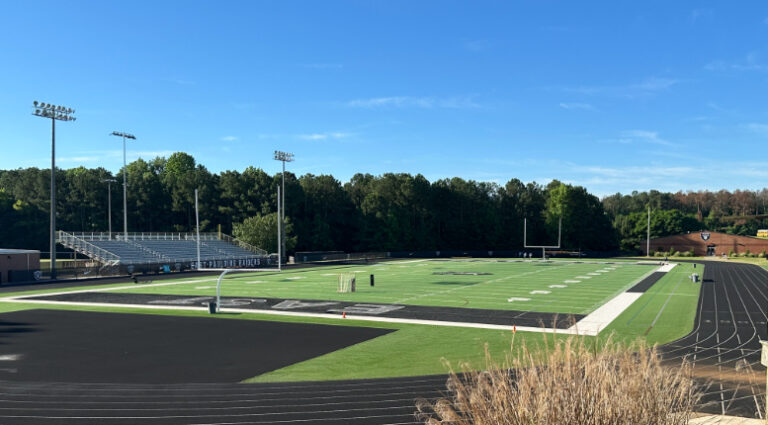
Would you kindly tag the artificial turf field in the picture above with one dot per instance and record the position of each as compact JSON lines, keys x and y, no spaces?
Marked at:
{"x":564,"y":287}
{"x":663,"y":313}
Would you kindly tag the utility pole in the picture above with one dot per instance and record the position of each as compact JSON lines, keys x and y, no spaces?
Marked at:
{"x":125,"y":181}
{"x":60,"y":113}
{"x":284,"y":157}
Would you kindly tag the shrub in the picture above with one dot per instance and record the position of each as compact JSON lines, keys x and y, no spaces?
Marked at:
{"x":691,"y":252}
{"x":747,"y":253}
{"x":568,"y":383}
{"x":761,"y":255}
{"x":731,"y":253}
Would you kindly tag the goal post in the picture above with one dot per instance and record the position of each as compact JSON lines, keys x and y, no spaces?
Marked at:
{"x":543,"y":247}
{"x":224,"y":272}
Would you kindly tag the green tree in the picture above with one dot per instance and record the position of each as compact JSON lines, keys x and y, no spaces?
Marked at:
{"x":261,"y":231}
{"x":585,"y":223}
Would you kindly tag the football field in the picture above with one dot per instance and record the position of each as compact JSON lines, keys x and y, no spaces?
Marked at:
{"x":565,"y":287}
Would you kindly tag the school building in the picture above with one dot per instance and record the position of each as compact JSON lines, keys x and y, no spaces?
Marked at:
{"x":706,"y":243}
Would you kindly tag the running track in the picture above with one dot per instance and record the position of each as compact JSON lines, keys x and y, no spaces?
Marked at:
{"x":724,"y":347}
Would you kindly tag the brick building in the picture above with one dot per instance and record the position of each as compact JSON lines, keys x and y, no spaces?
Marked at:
{"x":709,"y":243}
{"x":18,"y":265}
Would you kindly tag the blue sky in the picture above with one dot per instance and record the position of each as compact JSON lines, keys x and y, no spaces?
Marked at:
{"x":615,"y":96}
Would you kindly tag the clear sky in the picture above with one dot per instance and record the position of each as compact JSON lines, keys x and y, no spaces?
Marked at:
{"x":612,"y":95}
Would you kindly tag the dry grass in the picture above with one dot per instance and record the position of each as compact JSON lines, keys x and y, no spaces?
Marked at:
{"x":568,"y":382}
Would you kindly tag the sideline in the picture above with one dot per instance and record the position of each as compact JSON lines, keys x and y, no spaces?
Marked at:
{"x":608,"y":312}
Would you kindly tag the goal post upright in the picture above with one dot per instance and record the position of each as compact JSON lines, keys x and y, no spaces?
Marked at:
{"x":543,"y":247}
{"x":224,"y":272}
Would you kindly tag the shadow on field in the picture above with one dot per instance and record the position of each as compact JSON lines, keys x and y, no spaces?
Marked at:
{"x":9,"y":328}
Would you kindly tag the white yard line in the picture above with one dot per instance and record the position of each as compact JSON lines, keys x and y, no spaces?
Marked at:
{"x":115,"y":288}
{"x":315,"y":315}
{"x":403,"y":262}
{"x":459,"y":288}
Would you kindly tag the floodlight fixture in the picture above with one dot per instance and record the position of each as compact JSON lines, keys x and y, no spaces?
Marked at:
{"x":283,"y":157}
{"x":56,"y":112}
{"x":121,"y":134}
{"x":46,"y":110}
{"x":125,"y":180}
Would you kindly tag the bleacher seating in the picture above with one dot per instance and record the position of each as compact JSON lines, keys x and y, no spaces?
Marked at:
{"x":128,"y":252}
{"x":163,"y":248}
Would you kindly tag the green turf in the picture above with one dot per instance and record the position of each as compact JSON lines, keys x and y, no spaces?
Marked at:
{"x":670,"y":303}
{"x":556,"y":287}
{"x":419,"y":349}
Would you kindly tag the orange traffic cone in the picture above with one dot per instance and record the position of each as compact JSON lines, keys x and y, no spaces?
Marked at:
{"x":343,"y":314}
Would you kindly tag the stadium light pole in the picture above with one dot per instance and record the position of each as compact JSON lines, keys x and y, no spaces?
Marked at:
{"x":109,"y":203}
{"x":60,"y":113}
{"x":197,"y":227}
{"x":125,"y":181}
{"x":648,"y":235}
{"x":279,"y":239}
{"x":284,"y":157}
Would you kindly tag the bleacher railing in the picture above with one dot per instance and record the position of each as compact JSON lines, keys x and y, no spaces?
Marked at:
{"x":135,"y":239}
{"x":84,"y":247}
{"x":242,"y":244}
{"x":144,"y":236}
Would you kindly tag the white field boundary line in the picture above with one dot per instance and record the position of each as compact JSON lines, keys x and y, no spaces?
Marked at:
{"x":403,"y":262}
{"x":311,"y":315}
{"x":114,"y":288}
{"x":599,"y":319}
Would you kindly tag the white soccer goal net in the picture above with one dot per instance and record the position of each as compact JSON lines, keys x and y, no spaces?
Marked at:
{"x":346,"y":282}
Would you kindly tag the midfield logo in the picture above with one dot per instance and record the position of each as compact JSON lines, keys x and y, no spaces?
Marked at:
{"x":705,"y":236}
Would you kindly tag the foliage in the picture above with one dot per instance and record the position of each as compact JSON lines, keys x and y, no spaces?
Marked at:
{"x":393,"y":211}
{"x":572,"y":382}
{"x":261,"y":231}
{"x":738,"y":212}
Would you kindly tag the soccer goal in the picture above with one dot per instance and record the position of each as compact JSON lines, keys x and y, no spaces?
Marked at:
{"x":346,"y":283}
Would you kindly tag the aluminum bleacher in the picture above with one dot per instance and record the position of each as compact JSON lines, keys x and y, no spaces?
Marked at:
{"x":159,"y":248}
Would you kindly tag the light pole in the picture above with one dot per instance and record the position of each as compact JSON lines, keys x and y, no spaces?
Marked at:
{"x":109,"y":203}
{"x":125,"y":181}
{"x":61,"y":113}
{"x":284,"y":157}
{"x":648,"y":236}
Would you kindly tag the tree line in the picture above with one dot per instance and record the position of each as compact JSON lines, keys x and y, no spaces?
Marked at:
{"x":741,"y":212}
{"x":367,"y":213}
